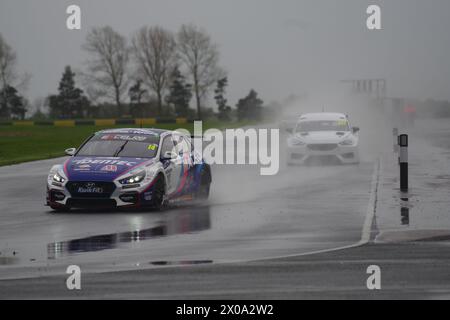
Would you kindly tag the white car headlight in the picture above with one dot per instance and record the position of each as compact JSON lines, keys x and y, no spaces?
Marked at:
{"x":58,"y":178}
{"x":347,"y":142}
{"x":136,"y":178}
{"x":297,"y":142}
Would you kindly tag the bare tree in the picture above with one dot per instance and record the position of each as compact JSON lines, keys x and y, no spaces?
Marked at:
{"x":107,"y":67}
{"x":8,"y":61}
{"x":154,"y":50}
{"x":11,"y":83}
{"x":201,"y":57}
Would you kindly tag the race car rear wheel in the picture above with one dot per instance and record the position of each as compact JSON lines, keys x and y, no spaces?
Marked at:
{"x":158,"y":194}
{"x":205,"y":185}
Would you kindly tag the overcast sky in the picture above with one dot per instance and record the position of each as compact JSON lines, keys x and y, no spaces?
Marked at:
{"x":278,"y":47}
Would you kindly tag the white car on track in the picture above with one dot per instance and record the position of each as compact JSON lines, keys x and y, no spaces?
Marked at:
{"x":323,"y":138}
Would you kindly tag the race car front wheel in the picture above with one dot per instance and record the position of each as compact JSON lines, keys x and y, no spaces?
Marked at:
{"x":158,"y":194}
{"x":205,"y":185}
{"x":60,"y":208}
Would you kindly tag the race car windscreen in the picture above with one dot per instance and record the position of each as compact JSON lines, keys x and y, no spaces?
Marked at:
{"x":323,"y":125}
{"x":120,"y":145}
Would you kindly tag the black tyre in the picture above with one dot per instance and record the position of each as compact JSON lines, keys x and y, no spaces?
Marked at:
{"x":158,"y":194}
{"x":60,"y":208}
{"x":205,"y":184}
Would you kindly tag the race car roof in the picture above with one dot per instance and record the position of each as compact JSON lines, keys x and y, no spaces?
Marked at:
{"x":322,"y":116}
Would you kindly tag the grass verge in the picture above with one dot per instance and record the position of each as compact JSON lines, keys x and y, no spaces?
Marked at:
{"x":29,"y":143}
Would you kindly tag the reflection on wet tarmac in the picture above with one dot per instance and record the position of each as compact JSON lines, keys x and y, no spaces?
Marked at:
{"x":179,"y":221}
{"x":180,"y":263}
{"x":404,"y":211}
{"x":8,"y":260}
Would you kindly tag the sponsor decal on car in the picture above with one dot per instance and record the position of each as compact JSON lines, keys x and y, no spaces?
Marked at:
{"x":105,"y":161}
{"x":123,"y":137}
{"x":90,"y":188}
{"x":109,"y":168}
{"x":148,"y":196}
{"x":83,"y":167}
{"x":134,"y":131}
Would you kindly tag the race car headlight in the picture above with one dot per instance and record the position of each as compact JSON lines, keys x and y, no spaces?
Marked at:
{"x":134,"y":178}
{"x":297,"y":142}
{"x":58,"y":178}
{"x":347,"y":142}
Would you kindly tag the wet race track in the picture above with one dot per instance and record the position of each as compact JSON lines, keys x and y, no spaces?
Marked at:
{"x":253,"y":228}
{"x":248,"y":217}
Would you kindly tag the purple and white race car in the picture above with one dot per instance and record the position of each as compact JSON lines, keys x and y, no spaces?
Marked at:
{"x":136,"y":168}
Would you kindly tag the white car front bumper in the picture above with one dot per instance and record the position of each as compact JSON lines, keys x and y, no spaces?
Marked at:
{"x":322,"y":152}
{"x":60,"y":196}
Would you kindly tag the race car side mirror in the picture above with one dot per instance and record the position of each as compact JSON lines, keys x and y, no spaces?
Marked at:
{"x":169,"y":155}
{"x":70,"y":151}
{"x":355,"y":129}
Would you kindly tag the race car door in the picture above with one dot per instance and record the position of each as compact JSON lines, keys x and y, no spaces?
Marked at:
{"x":172,"y":165}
